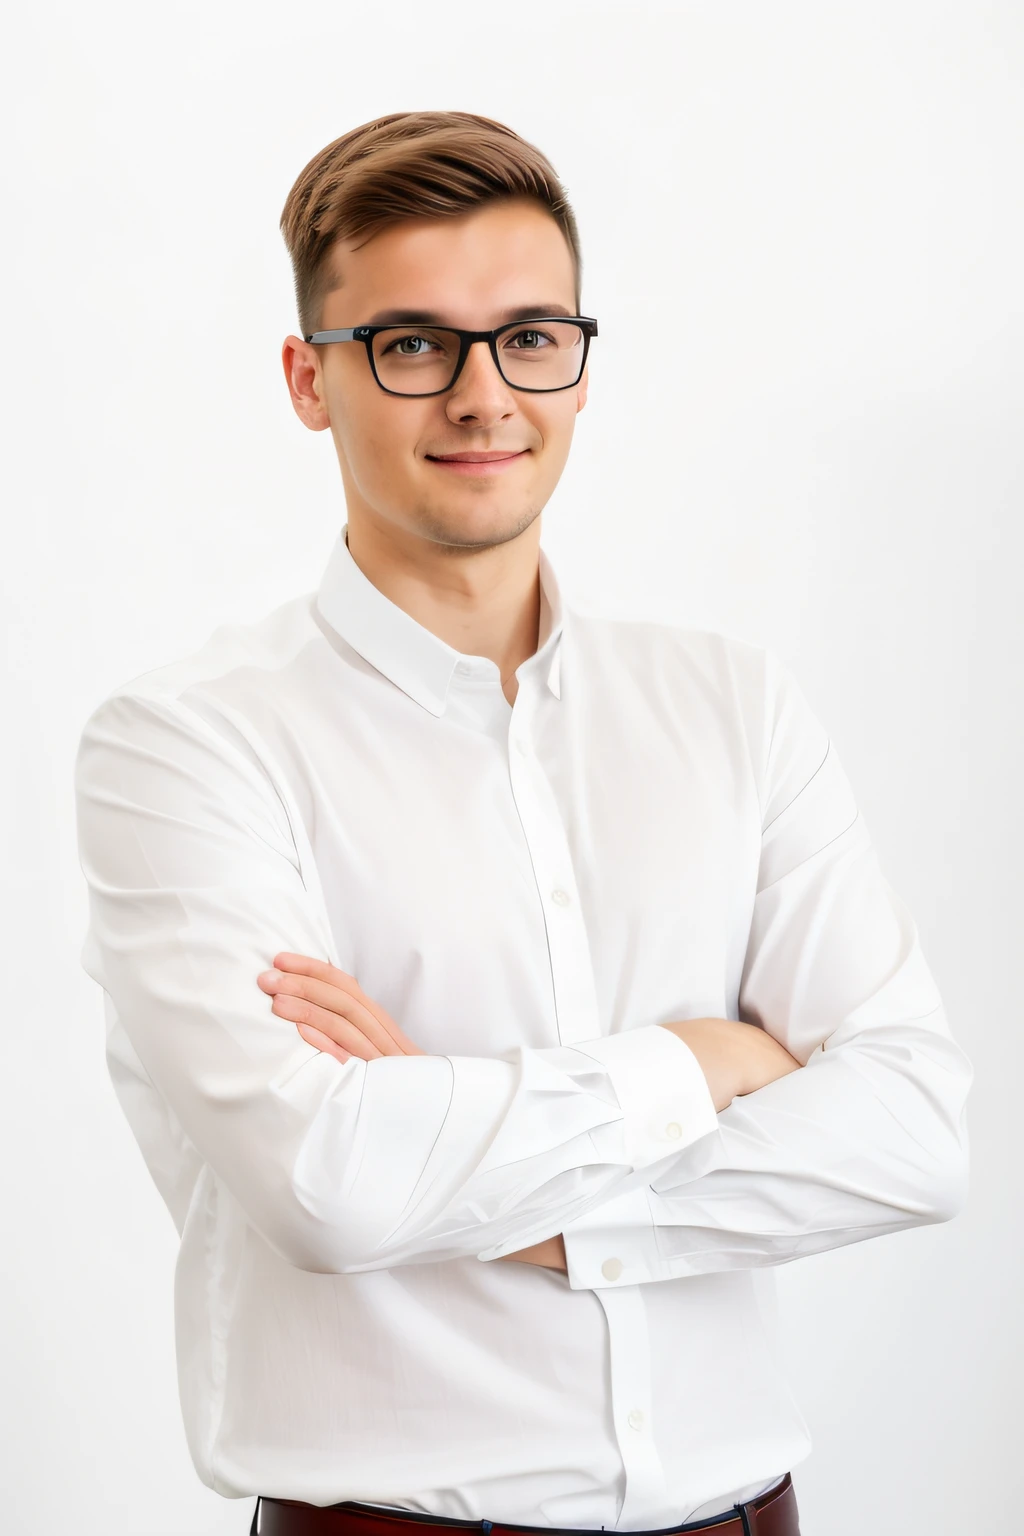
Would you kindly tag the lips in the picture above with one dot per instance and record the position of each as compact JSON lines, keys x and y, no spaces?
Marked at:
{"x":476,"y":458}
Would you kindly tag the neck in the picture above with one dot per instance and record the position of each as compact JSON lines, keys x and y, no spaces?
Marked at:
{"x":483,"y":601}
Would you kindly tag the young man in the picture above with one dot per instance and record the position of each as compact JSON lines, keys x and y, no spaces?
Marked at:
{"x":438,"y":924}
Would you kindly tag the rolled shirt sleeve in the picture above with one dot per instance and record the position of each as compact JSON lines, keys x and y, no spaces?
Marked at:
{"x":870,"y":1136}
{"x":194,"y":885}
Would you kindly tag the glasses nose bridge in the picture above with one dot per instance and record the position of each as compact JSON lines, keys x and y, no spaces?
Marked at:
{"x":469,"y":340}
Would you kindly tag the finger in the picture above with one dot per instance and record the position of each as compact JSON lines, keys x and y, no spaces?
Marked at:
{"x":323,"y":1042}
{"x":334,"y":998}
{"x":331,"y":975}
{"x":322,"y":970}
{"x":332,"y":1001}
{"x":336,"y":1028}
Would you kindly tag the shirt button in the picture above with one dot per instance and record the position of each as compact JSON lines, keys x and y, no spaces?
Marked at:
{"x":611,"y":1269}
{"x":673,"y":1129}
{"x":562,"y":898}
{"x":636,"y":1419}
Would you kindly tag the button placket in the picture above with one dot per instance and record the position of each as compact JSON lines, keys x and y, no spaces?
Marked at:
{"x":645,"y":1504}
{"x":572,"y":972}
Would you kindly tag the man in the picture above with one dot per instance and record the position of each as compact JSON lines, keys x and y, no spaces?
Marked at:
{"x":440,"y":925}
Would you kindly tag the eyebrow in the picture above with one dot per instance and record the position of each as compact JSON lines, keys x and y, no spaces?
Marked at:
{"x":430,"y":317}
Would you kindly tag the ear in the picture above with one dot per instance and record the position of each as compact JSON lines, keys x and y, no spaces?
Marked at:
{"x":581,"y":389}
{"x":304,"y":377}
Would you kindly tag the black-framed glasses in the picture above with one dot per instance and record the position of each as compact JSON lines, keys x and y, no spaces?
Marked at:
{"x":538,"y":355}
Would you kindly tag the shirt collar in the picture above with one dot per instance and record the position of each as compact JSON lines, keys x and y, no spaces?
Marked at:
{"x":411,"y":656}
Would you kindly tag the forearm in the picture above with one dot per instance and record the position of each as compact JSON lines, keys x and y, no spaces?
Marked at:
{"x":866,"y":1139}
{"x":736,"y":1059}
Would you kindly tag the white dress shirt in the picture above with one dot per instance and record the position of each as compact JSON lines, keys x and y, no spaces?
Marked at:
{"x":657,"y":829}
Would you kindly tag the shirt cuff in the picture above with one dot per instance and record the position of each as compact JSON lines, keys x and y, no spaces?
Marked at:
{"x":614,"y":1244}
{"x":662,"y":1091}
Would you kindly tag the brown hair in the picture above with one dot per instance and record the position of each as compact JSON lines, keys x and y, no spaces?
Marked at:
{"x":404,"y":166}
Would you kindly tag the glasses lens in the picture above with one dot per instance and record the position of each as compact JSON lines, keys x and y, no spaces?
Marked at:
{"x":542,"y":354}
{"x":415,"y":360}
{"x":420,"y":360}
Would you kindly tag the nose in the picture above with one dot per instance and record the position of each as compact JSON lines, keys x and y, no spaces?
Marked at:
{"x":480,"y":394}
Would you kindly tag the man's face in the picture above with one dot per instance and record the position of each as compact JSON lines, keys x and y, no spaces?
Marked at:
{"x":470,"y":271}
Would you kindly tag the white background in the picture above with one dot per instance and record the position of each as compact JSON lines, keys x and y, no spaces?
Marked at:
{"x":802,"y":235}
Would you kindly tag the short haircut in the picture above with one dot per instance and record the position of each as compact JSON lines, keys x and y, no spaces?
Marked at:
{"x":409,"y":165}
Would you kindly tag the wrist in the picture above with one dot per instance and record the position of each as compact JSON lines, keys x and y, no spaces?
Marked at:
{"x":718,"y":1045}
{"x":549,"y":1254}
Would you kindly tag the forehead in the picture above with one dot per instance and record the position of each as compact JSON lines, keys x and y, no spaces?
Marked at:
{"x":503,"y":255}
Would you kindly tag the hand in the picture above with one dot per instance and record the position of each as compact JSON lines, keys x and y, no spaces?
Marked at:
{"x":736,"y":1058}
{"x":331,"y":1011}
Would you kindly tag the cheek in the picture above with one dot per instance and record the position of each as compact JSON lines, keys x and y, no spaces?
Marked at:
{"x":378,"y":438}
{"x":555,"y":427}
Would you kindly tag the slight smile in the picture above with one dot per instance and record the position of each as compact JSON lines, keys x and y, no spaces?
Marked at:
{"x":477,"y":463}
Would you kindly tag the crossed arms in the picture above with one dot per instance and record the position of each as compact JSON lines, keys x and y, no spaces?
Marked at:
{"x":332,"y":1012}
{"x":359,"y":1164}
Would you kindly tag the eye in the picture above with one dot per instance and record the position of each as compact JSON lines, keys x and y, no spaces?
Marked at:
{"x":416,"y":348}
{"x":536,"y":341}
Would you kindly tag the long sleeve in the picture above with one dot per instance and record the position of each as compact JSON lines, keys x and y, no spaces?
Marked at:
{"x":870,"y":1136}
{"x":194,"y":884}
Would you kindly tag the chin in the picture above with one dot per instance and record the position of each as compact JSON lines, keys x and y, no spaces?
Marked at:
{"x":477,"y":525}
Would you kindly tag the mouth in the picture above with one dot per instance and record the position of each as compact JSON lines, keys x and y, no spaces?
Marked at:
{"x":477,"y":463}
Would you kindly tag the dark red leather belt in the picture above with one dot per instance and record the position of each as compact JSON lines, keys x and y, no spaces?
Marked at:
{"x":771,"y":1514}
